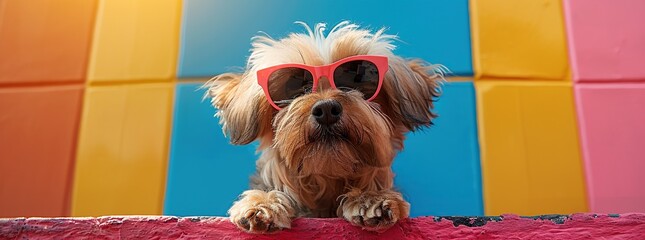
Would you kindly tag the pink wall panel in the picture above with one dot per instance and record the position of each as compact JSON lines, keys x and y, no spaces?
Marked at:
{"x":612,"y":129}
{"x":606,"y":39}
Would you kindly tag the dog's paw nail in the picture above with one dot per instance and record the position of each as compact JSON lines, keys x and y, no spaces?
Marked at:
{"x":358,"y":220}
{"x":389,"y":214}
{"x":260,"y":226}
{"x":272,"y":228}
{"x":378,"y":212}
{"x":259,"y":215}
{"x":244,"y":223}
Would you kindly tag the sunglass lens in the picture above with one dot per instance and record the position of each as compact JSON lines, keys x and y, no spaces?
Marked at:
{"x":359,"y":75}
{"x":286,"y":84}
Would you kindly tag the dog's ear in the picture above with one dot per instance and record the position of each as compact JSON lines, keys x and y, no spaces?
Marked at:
{"x":411,"y":87}
{"x":238,"y":107}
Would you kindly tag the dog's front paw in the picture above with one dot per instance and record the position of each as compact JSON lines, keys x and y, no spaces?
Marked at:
{"x":261,"y":212}
{"x":258,"y":220}
{"x":374,"y":210}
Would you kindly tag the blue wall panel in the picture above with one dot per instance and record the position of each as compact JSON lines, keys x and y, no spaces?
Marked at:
{"x":206,"y":173}
{"x":215,"y":35}
{"x":438,"y":172}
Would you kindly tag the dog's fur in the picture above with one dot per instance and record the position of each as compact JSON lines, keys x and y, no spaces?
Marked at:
{"x":344,"y":171}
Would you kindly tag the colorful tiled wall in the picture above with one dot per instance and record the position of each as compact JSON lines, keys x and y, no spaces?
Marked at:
{"x":101,"y":111}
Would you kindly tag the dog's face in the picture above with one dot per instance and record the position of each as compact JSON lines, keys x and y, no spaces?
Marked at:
{"x":328,"y":132}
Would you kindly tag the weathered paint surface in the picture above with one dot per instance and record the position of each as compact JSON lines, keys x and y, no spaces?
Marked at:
{"x":577,"y":226}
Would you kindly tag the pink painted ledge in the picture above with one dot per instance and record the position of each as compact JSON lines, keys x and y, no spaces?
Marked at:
{"x":577,"y":226}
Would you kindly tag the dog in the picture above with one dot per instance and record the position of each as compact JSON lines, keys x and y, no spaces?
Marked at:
{"x":330,"y":112}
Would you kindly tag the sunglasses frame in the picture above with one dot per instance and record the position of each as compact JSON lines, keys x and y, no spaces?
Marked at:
{"x":318,"y":72}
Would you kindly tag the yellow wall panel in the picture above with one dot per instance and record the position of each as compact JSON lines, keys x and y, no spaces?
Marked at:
{"x":135,"y":40}
{"x":519,"y":39}
{"x":122,"y":150}
{"x":530,"y":156}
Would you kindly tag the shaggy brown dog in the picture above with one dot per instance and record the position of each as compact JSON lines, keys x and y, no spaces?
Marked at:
{"x":311,"y":169}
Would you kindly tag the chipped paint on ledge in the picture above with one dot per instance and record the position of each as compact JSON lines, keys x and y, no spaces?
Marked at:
{"x":625,"y":226}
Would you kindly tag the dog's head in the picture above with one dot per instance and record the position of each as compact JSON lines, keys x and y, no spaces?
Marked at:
{"x":332,"y":131}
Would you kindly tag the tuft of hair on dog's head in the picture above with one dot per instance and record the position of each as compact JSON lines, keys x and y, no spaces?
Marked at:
{"x":367,"y":134}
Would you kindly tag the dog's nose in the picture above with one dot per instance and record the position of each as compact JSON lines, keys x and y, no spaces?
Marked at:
{"x":327,"y":112}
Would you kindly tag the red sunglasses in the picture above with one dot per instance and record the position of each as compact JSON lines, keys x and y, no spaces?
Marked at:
{"x":285,"y":82}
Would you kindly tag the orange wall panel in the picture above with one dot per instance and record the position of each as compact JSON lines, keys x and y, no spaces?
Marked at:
{"x":38,"y":128}
{"x":45,"y":40}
